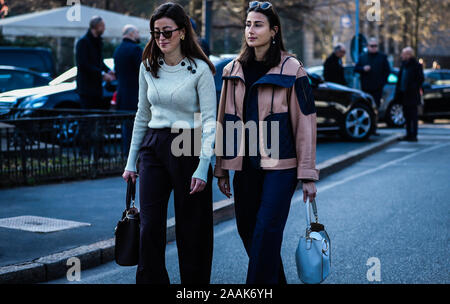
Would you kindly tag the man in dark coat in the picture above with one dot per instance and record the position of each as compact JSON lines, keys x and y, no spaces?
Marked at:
{"x":127,"y":61}
{"x":374,"y":69}
{"x":407,"y":91}
{"x":91,"y":68}
{"x":332,"y":68}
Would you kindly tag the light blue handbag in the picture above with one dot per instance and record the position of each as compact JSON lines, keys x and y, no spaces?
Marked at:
{"x":313,"y":255}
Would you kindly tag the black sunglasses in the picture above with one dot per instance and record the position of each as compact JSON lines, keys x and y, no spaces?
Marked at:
{"x":262,"y":5}
{"x":373,"y":45}
{"x":166,"y":34}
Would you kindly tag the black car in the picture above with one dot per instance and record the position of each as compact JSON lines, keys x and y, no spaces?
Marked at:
{"x":435,"y":100}
{"x":13,"y":78}
{"x":340,"y":109}
{"x":60,"y":93}
{"x":36,"y":59}
{"x":352,"y":80}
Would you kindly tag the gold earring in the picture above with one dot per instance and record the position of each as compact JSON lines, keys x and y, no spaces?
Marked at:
{"x":182,"y":37}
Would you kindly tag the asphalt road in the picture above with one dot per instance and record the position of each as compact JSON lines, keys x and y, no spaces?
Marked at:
{"x":392,"y":206}
{"x":98,"y":202}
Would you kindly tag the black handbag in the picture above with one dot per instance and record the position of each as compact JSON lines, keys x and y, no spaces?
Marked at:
{"x":127,"y":231}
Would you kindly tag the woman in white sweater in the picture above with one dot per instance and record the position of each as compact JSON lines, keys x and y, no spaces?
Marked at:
{"x":173,"y":138}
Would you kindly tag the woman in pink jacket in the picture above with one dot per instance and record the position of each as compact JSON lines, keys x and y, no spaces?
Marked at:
{"x":266,"y":132}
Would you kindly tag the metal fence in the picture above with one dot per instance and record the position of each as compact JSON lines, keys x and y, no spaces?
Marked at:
{"x":63,"y":145}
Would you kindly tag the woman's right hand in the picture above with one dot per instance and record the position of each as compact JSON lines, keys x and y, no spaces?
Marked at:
{"x":224,"y":185}
{"x":129,"y":174}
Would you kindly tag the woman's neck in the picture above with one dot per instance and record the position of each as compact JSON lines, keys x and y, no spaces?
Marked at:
{"x":173,"y":58}
{"x":260,"y":52}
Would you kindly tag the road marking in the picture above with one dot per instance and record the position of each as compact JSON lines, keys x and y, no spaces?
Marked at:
{"x":392,"y":162}
{"x":401,"y":150}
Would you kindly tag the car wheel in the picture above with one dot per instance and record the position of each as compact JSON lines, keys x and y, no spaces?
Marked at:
{"x":66,"y":130}
{"x":394,"y":115}
{"x":358,"y":123}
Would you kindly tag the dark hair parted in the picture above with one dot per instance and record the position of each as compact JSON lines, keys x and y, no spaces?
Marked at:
{"x":189,"y":46}
{"x":273,"y":54}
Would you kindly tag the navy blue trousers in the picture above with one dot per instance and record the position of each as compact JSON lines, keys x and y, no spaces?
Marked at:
{"x":262,"y":199}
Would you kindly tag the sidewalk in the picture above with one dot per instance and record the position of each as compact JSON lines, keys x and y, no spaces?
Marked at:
{"x":98,"y":204}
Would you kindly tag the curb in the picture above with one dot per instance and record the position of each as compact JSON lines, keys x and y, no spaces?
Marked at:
{"x":55,"y":266}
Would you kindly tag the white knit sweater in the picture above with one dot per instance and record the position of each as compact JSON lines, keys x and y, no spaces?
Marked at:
{"x":173,"y":101}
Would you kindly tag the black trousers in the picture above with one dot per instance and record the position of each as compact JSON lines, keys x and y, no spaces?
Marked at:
{"x":160,"y":172}
{"x":262,"y":199}
{"x":376,"y":94}
{"x":411,"y":120}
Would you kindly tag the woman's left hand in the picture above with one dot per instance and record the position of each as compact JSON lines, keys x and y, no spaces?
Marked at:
{"x":309,"y":191}
{"x":197,"y":185}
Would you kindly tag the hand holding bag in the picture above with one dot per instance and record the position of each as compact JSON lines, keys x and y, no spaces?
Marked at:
{"x":313,"y":254}
{"x":127,"y":231}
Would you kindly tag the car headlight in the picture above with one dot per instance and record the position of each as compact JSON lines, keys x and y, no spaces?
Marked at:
{"x":33,"y":102}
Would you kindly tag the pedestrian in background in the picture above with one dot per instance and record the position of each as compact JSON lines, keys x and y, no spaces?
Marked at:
{"x":265,"y":83}
{"x":407,"y":91}
{"x":127,"y":61}
{"x":333,"y":70}
{"x":374,"y":69}
{"x":91,"y":69}
{"x":3,"y":9}
{"x":175,"y":82}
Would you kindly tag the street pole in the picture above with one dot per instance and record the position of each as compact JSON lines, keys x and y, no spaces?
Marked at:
{"x":206,"y":28}
{"x":357,"y":31}
{"x":355,"y":77}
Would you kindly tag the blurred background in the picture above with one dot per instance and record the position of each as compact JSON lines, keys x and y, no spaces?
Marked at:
{"x":311,"y":27}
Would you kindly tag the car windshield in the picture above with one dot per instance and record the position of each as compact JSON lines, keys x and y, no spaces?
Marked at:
{"x":71,"y":75}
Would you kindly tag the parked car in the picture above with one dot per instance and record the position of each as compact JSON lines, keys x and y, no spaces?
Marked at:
{"x":340,"y":109}
{"x":354,"y":82}
{"x":435,"y":98}
{"x":36,"y":59}
{"x":13,"y":78}
{"x":59,"y":93}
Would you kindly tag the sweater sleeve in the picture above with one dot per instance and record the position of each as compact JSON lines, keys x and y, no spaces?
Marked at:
{"x":143,"y":117}
{"x":207,"y":100}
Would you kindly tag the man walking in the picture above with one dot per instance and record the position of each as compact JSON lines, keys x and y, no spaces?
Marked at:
{"x":374,"y":69}
{"x":333,"y":70}
{"x":407,"y":91}
{"x":127,"y":61}
{"x":91,"y":68}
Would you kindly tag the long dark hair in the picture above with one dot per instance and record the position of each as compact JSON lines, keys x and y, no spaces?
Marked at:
{"x":273,"y":54}
{"x":189,"y":46}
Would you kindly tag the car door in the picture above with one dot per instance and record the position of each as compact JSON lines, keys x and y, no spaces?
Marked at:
{"x":433,"y":94}
{"x":445,"y":83}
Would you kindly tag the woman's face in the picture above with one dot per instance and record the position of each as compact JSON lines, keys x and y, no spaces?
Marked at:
{"x":257,"y":30}
{"x":172,"y":44}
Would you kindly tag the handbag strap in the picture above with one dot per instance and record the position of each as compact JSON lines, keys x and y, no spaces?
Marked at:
{"x":131,"y":192}
{"x":308,"y":206}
